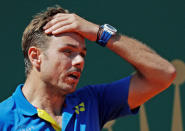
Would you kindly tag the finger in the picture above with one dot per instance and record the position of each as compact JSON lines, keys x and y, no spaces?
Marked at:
{"x":57,"y":26}
{"x":67,"y":28}
{"x":60,"y":15}
{"x":54,"y":21}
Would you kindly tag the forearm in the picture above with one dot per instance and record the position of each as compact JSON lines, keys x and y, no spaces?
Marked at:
{"x":148,"y":63}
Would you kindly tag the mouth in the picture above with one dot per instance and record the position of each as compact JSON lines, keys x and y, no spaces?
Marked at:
{"x":74,"y":75}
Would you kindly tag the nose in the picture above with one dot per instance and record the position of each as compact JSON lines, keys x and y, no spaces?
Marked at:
{"x":78,"y":61}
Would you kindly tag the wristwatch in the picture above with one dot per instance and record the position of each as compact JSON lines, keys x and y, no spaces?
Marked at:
{"x":104,"y":34}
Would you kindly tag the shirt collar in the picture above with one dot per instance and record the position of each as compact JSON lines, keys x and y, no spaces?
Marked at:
{"x":24,"y":106}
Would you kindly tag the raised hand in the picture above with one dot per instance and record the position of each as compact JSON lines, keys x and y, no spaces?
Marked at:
{"x":71,"y":23}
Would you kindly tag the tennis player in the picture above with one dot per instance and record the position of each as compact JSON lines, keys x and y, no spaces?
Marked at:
{"x":54,"y":49}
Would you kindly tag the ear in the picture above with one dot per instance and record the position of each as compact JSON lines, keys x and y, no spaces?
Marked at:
{"x":34,"y":55}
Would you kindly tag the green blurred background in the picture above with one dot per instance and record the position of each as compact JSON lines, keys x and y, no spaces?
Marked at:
{"x":158,"y":23}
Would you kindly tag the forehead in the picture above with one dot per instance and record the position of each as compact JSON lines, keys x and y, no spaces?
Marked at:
{"x":67,"y":40}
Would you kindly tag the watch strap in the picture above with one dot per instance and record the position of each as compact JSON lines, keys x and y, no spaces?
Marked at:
{"x":103,"y":36}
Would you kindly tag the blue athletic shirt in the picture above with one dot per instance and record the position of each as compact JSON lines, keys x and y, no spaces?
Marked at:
{"x":87,"y":109}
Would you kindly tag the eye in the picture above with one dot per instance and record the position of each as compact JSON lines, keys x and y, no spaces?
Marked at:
{"x":67,"y":51}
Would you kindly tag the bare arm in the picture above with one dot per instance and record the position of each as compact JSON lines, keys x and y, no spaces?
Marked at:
{"x":154,"y":74}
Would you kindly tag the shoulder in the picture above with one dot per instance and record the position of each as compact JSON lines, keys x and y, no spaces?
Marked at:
{"x":112,"y":87}
{"x":89,"y":91}
{"x":7,"y":109}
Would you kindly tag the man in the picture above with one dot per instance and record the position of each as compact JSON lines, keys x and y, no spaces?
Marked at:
{"x":54,"y":50}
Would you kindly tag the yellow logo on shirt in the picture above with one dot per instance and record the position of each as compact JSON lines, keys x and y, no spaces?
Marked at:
{"x":80,"y":108}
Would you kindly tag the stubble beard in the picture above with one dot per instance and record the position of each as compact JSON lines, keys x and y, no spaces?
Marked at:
{"x":66,"y":88}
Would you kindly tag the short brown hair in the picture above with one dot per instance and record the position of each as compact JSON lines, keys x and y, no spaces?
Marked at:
{"x":34,"y":34}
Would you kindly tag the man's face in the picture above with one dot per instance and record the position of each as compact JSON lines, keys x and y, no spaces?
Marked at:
{"x":63,"y":62}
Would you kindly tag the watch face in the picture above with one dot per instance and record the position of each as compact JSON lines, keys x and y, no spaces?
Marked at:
{"x":109,"y":27}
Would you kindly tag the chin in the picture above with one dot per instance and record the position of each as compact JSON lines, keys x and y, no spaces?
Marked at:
{"x":68,"y":88}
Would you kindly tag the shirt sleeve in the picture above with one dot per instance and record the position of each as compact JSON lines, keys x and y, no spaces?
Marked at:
{"x":112,"y":99}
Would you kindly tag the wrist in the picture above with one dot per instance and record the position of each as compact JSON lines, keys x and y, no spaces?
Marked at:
{"x":95,"y":32}
{"x":90,"y":31}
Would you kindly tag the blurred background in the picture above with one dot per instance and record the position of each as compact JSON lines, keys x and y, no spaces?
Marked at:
{"x":158,"y":23}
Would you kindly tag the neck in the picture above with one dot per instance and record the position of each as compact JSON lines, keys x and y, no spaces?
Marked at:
{"x":42,"y":96}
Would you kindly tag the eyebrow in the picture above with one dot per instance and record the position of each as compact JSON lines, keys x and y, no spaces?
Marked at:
{"x":74,"y":46}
